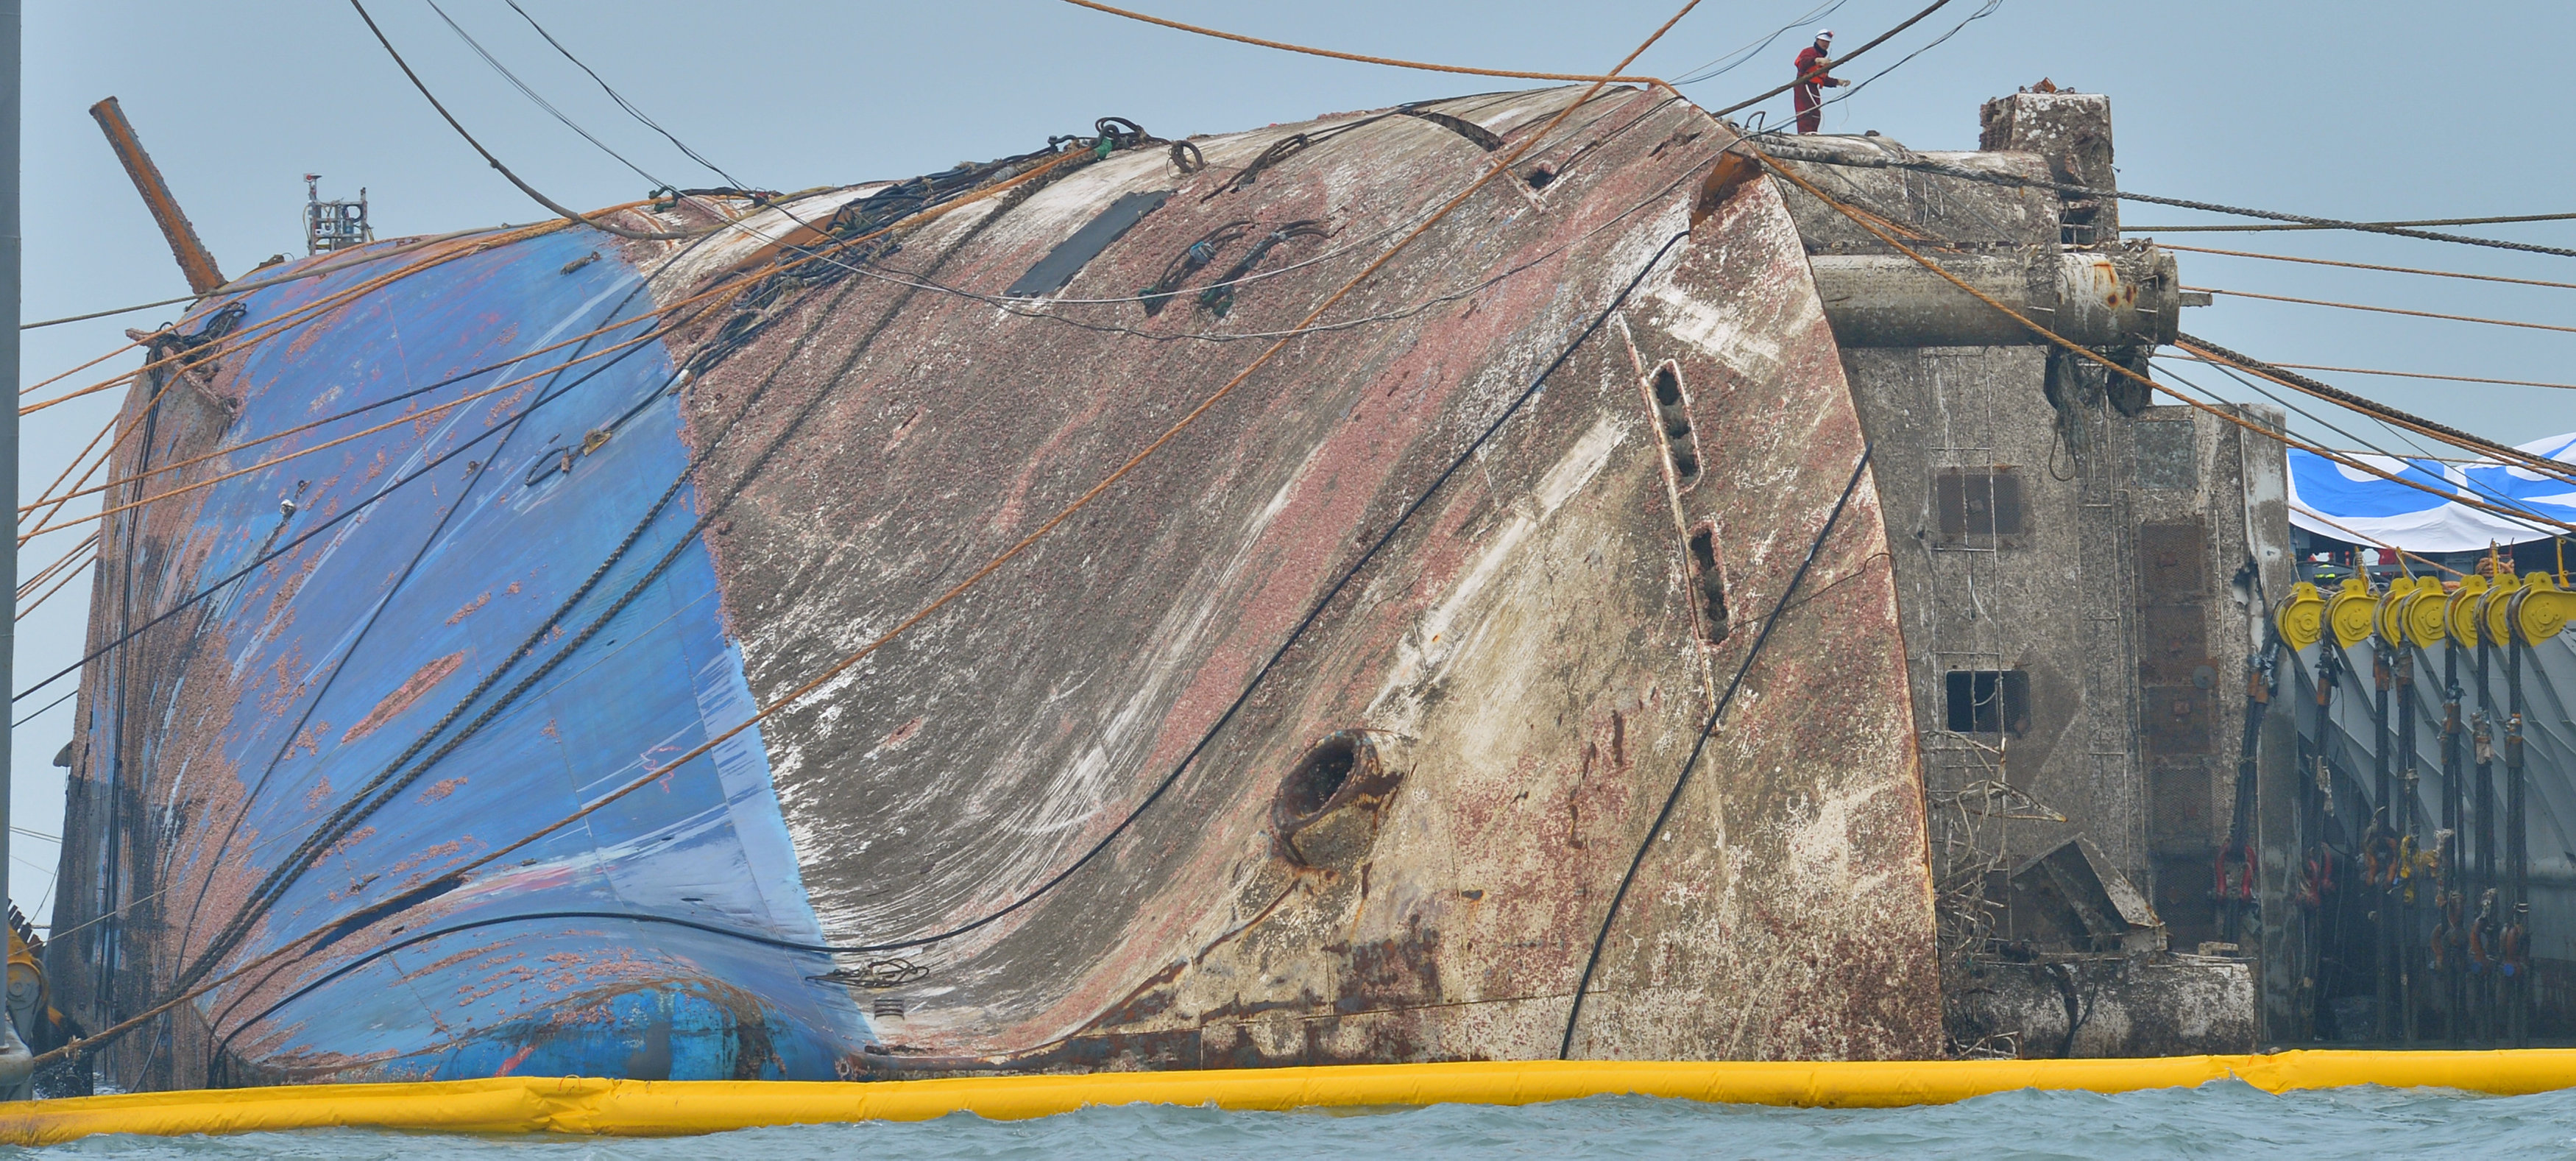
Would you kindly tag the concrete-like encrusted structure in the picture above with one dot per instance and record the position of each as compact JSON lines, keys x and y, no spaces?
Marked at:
{"x":2083,"y":576}
{"x":1961,"y":800}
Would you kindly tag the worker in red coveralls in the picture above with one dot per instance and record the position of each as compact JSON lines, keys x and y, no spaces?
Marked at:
{"x":1813,"y":76}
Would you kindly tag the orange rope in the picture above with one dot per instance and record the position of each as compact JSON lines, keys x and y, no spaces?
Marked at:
{"x":237,"y":340}
{"x":2368,"y":266}
{"x":2383,"y":309}
{"x":2541,"y":465}
{"x":2121,"y":369}
{"x":68,"y":576}
{"x":1390,"y":62}
{"x":30,"y":389}
{"x":29,"y":585}
{"x":78,"y":459}
{"x":398,"y":421}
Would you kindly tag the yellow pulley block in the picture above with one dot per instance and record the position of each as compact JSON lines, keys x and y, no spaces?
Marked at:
{"x":2495,"y":611}
{"x":2545,"y":608}
{"x":2302,"y":619}
{"x":2389,"y":621}
{"x":2350,"y":612}
{"x":2460,"y":611}
{"x":2422,"y":614}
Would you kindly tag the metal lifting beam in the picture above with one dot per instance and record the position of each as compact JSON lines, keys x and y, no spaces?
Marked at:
{"x":194,"y":261}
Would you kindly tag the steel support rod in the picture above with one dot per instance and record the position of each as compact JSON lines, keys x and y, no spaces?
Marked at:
{"x":2382,"y":829}
{"x":2449,"y":896}
{"x":2483,"y":921}
{"x":16,"y":1062}
{"x":2410,"y":840}
{"x":194,"y":261}
{"x":2514,"y":959}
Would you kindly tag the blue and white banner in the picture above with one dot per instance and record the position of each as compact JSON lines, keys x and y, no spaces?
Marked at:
{"x":2330,"y":499}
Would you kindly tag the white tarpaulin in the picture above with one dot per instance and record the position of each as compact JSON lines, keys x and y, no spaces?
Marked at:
{"x":2330,"y":499}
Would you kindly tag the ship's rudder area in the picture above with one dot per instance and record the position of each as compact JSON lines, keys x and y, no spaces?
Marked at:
{"x":1405,"y":842}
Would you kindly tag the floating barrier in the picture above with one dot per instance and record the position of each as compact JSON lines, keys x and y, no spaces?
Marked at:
{"x":581,"y":1105}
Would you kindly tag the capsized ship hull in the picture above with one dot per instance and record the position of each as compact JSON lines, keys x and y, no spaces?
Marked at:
{"x":1400,"y":841}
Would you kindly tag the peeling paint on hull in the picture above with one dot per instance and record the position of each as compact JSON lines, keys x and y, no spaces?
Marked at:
{"x":1526,"y":660}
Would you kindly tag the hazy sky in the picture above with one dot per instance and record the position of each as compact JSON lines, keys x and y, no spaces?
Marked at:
{"x":2361,"y":110}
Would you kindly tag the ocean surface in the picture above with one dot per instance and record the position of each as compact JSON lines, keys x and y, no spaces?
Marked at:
{"x":2219,"y":1120}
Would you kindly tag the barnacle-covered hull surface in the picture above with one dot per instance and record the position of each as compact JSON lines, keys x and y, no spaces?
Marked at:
{"x":1167,"y":842}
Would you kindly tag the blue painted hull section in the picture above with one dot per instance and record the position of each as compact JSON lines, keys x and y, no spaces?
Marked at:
{"x":347,"y":653}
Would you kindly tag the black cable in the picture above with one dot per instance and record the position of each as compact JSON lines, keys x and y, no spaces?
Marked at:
{"x":2082,"y":191}
{"x":1716,"y":714}
{"x":1882,"y":38}
{"x":67,"y":696}
{"x":531,"y":94}
{"x":525,"y":188}
{"x":1746,"y":53}
{"x":622,"y":102}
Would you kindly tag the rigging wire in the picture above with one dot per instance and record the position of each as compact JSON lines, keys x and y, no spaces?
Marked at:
{"x":2237,"y":227}
{"x":2451,"y":435}
{"x":2493,"y":322}
{"x":334,"y":265}
{"x":67,"y":577}
{"x":2358,"y":265}
{"x":1284,"y":46}
{"x":623,"y":103}
{"x":2071,"y":189}
{"x":1850,"y":91}
{"x":532,"y":95}
{"x":236,"y":340}
{"x":541,"y":199}
{"x":2498,"y":498}
{"x":2414,"y":375}
{"x":1736,"y":58}
{"x":1882,"y":38}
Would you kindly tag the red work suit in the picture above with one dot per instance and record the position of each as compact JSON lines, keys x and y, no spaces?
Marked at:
{"x":1814,"y":75}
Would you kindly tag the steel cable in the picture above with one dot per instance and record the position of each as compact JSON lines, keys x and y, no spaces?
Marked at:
{"x":1716,"y":713}
{"x":541,"y":199}
{"x":2357,"y":265}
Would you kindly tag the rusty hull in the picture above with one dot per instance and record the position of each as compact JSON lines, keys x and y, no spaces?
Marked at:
{"x":1525,"y":658}
{"x":1401,"y":846}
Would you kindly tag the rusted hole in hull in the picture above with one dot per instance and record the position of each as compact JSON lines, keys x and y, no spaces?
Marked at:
{"x":1325,"y":813}
{"x":1326,"y":769}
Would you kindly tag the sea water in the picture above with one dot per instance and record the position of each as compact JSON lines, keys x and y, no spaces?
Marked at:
{"x":2221,"y":1120}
